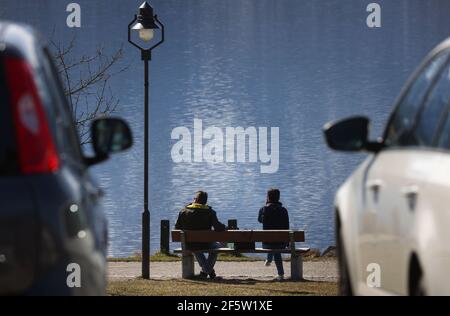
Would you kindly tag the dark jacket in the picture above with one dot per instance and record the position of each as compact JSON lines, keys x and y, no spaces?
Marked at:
{"x":198,"y":217}
{"x":274,"y":216}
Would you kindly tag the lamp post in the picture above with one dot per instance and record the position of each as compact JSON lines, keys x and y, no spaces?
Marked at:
{"x":146,"y":22}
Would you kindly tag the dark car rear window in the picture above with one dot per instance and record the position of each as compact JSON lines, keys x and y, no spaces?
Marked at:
{"x":8,"y":158}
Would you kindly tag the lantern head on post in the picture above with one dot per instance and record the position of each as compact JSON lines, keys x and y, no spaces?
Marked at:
{"x":146,"y":22}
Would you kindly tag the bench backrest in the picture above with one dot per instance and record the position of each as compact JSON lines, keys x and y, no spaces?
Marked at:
{"x":239,"y":236}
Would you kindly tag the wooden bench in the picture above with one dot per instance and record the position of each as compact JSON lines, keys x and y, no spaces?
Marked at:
{"x":241,"y":236}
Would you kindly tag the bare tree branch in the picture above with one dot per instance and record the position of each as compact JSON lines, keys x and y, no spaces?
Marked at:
{"x":86,"y":82}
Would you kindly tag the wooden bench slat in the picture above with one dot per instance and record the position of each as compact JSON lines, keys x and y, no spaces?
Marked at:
{"x":256,"y":250}
{"x":239,"y":236}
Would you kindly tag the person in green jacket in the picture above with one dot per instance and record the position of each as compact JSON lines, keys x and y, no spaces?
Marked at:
{"x":199,"y":216}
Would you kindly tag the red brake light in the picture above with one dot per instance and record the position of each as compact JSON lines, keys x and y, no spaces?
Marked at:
{"x":36,"y":150}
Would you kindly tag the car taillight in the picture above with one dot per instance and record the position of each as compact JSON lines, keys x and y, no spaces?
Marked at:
{"x":36,"y":150}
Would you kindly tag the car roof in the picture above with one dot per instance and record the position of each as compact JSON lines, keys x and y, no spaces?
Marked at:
{"x":20,"y":40}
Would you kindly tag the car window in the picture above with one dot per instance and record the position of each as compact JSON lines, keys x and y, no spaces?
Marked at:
{"x":433,"y":111}
{"x":443,"y":139}
{"x":68,"y":137}
{"x":46,"y":98}
{"x":398,"y":132}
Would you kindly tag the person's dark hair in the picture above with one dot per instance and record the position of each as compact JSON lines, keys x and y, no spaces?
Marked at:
{"x":201,"y":197}
{"x":273,"y":196}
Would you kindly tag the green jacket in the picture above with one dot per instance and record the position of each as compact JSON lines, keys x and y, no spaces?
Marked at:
{"x":198,"y":217}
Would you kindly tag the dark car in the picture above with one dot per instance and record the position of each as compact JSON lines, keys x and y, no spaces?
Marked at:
{"x":53,"y":232}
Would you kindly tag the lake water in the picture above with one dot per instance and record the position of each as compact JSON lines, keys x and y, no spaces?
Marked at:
{"x":292,"y":64}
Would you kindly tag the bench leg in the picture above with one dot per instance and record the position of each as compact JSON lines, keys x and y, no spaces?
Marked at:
{"x":296,"y":267}
{"x":187,"y":266}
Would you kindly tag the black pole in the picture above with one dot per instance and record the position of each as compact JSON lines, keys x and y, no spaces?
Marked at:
{"x":232,"y":224}
{"x":165,"y":237}
{"x":146,"y":214}
{"x":146,"y":53}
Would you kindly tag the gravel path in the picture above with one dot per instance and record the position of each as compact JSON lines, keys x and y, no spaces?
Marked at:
{"x":324,"y":270}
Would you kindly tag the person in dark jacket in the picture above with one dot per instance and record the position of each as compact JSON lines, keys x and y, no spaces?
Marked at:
{"x":200,"y":216}
{"x":274,"y":216}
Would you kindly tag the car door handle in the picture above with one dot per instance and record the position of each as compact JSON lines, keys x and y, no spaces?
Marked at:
{"x":411,"y":193}
{"x":95,"y":193}
{"x":374,"y":185}
{"x":98,"y":194}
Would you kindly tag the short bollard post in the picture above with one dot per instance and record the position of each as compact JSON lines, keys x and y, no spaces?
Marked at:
{"x":232,"y":224}
{"x":165,"y":237}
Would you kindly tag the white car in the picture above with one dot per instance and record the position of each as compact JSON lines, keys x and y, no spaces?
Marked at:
{"x":393,"y":213}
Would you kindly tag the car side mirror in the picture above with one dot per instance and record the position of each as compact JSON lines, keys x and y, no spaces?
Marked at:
{"x":109,"y":136}
{"x":350,"y":134}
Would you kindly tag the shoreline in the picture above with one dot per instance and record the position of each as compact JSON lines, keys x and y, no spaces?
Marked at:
{"x":313,"y":255}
